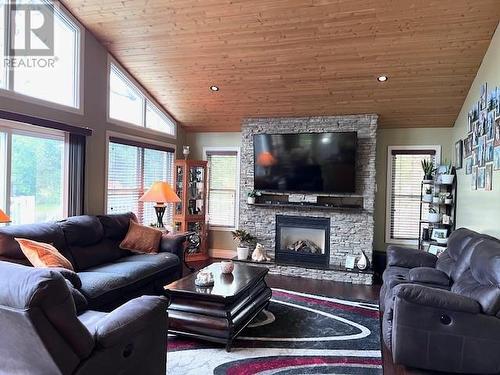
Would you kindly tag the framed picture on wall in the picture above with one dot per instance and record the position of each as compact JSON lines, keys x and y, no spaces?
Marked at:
{"x":467,"y":146}
{"x":474,"y":178}
{"x":488,"y":177}
{"x":468,"y":165}
{"x":483,"y":96}
{"x":459,"y":154}
{"x":496,"y":158}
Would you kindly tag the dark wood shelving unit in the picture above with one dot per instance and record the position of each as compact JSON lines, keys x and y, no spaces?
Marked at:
{"x":442,"y":208}
{"x":322,"y":202}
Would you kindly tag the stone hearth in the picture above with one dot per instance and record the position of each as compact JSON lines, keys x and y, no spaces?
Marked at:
{"x":350,"y":230}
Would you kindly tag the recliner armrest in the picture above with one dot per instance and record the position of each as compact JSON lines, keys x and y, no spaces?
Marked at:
{"x":428,"y":275}
{"x":409,"y":258}
{"x":69,"y":275}
{"x":438,"y":298}
{"x":131,"y":318}
{"x":173,"y":243}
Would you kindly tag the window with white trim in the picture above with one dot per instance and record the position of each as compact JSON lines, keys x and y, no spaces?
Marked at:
{"x":404,"y":180}
{"x":129,"y":104}
{"x":34,"y":173}
{"x":223,"y":190}
{"x":132,"y":168}
{"x":55,"y":79}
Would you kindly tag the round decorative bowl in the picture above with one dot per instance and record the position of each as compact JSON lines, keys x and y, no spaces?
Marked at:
{"x":226,"y":266}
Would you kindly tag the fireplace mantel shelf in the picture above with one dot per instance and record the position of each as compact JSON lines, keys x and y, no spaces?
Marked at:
{"x":329,"y":268}
{"x":308,"y":205}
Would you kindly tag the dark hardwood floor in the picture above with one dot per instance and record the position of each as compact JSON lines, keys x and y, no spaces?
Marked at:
{"x":340,"y":290}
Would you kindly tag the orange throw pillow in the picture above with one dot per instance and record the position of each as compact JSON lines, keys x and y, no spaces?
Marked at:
{"x":43,"y":254}
{"x":141,"y":239}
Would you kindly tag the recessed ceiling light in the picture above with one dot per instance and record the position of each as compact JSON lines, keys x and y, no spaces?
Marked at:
{"x":382,"y":78}
{"x":214,"y":88}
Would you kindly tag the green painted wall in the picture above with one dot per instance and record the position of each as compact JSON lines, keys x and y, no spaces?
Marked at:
{"x":385,"y":138}
{"x":479,"y":210}
{"x":401,"y":137}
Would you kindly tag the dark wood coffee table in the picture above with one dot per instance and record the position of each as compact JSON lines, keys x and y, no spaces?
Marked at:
{"x":221,"y":312}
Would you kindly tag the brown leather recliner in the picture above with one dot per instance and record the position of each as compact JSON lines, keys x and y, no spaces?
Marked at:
{"x":41,"y":332}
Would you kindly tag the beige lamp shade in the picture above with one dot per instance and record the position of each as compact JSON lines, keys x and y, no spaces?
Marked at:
{"x":160,"y":192}
{"x":4,"y":218}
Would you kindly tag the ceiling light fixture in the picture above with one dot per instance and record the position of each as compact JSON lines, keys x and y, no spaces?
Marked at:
{"x":214,"y":88}
{"x":382,"y":78}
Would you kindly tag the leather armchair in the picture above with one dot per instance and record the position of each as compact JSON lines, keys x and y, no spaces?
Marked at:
{"x":455,"y":330}
{"x":42,"y":334}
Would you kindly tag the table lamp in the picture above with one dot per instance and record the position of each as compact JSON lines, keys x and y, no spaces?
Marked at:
{"x":160,"y":193}
{"x":4,"y":218}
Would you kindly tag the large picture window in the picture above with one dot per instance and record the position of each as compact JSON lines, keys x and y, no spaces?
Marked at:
{"x":404,"y":178}
{"x":132,"y":168}
{"x":54,"y":78}
{"x":34,"y":179}
{"x":222,"y":187}
{"x":130,"y":104}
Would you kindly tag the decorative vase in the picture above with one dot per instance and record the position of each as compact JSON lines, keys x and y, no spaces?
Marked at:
{"x":428,"y":179}
{"x":427,"y":198}
{"x":448,"y":201}
{"x":251,"y":200}
{"x":226,"y":266}
{"x":242,"y":252}
{"x":447,"y":179}
{"x":434,"y":217}
{"x":362,"y":261}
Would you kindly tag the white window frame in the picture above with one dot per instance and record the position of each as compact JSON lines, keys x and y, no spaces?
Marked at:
{"x":138,"y":87}
{"x":79,"y":81}
{"x":237,"y":195}
{"x":13,"y":127}
{"x":113,"y":134}
{"x":388,"y":196}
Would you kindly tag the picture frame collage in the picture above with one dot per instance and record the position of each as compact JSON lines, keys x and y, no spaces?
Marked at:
{"x":479,"y":152}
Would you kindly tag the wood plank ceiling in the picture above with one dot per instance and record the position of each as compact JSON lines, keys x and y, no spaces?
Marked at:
{"x":298,"y":57}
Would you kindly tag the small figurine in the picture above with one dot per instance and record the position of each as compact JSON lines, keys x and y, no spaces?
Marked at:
{"x":259,"y":254}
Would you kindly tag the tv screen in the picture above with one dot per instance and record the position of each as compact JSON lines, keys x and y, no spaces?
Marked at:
{"x":305,"y":162}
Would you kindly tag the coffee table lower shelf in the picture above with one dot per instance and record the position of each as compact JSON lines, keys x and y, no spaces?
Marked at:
{"x":216,"y":321}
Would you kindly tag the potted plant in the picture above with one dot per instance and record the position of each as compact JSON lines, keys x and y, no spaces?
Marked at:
{"x":427,"y":197}
{"x":428,"y":168}
{"x":245,"y":240}
{"x":252,"y":195}
{"x":447,"y":176}
{"x":433,"y":216}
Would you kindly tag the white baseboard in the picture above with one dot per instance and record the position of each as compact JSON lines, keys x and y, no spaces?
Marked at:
{"x":222,"y":253}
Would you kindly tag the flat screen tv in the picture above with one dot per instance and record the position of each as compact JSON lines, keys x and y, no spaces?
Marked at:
{"x":305,"y":162}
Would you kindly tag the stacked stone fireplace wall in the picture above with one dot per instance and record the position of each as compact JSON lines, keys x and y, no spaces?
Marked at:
{"x":351,"y":230}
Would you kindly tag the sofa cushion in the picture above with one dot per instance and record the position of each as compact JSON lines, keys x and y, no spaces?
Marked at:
{"x":482,"y":280}
{"x":141,"y":239}
{"x":82,"y":230}
{"x":99,"y":280}
{"x":87,"y":244}
{"x":45,"y":232}
{"x":116,"y":226}
{"x":42,"y":254}
{"x":96,"y":283}
{"x":428,"y":275}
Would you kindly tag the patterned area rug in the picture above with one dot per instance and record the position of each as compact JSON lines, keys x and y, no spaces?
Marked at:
{"x":299,"y":334}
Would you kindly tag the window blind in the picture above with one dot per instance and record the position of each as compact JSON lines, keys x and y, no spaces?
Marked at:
{"x":223,"y":190}
{"x":407,"y":176}
{"x":131,"y":171}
